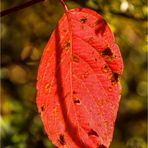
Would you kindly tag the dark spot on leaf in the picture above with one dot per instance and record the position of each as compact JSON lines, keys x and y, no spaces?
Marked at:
{"x":105,"y":68}
{"x":76,"y":101}
{"x":61,"y":139}
{"x":42,"y":108}
{"x":114,"y":78}
{"x":101,"y":146}
{"x":92,"y":132}
{"x":83,"y":20}
{"x":75,"y":58}
{"x":74,"y":92}
{"x":107,"y":52}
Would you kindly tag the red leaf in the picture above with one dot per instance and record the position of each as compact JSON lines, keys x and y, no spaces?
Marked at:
{"x":78,"y":88}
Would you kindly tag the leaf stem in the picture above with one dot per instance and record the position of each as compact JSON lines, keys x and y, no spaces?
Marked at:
{"x":19,"y":7}
{"x":64,"y":5}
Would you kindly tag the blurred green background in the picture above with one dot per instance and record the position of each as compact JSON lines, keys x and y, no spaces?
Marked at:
{"x":23,"y":37}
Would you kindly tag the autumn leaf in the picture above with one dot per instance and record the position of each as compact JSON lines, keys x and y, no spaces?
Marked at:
{"x":78,"y":88}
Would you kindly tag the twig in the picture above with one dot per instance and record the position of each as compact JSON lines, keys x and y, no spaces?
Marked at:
{"x":19,"y":7}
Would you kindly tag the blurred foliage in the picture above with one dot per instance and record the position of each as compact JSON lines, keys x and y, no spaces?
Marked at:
{"x":23,"y":37}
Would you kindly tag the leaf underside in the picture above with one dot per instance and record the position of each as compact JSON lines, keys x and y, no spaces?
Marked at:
{"x":78,"y":89}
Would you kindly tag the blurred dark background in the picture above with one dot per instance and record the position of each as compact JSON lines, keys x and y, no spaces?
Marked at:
{"x":23,"y":37}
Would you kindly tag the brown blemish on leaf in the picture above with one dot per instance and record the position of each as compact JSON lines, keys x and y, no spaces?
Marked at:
{"x":74,"y":92}
{"x":66,"y":45}
{"x":61,"y":139}
{"x":76,"y":101}
{"x":83,"y":20}
{"x":114,"y":78}
{"x":92,"y":132}
{"x":101,"y":146}
{"x":105,"y":68}
{"x":101,"y":102}
{"x":107,"y":52}
{"x":75,"y":58}
{"x":47,"y":86}
{"x":42,"y":108}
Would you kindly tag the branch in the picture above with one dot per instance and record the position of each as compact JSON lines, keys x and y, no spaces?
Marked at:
{"x":117,"y":13}
{"x":19,"y":7}
{"x":128,"y":16}
{"x":125,"y":15}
